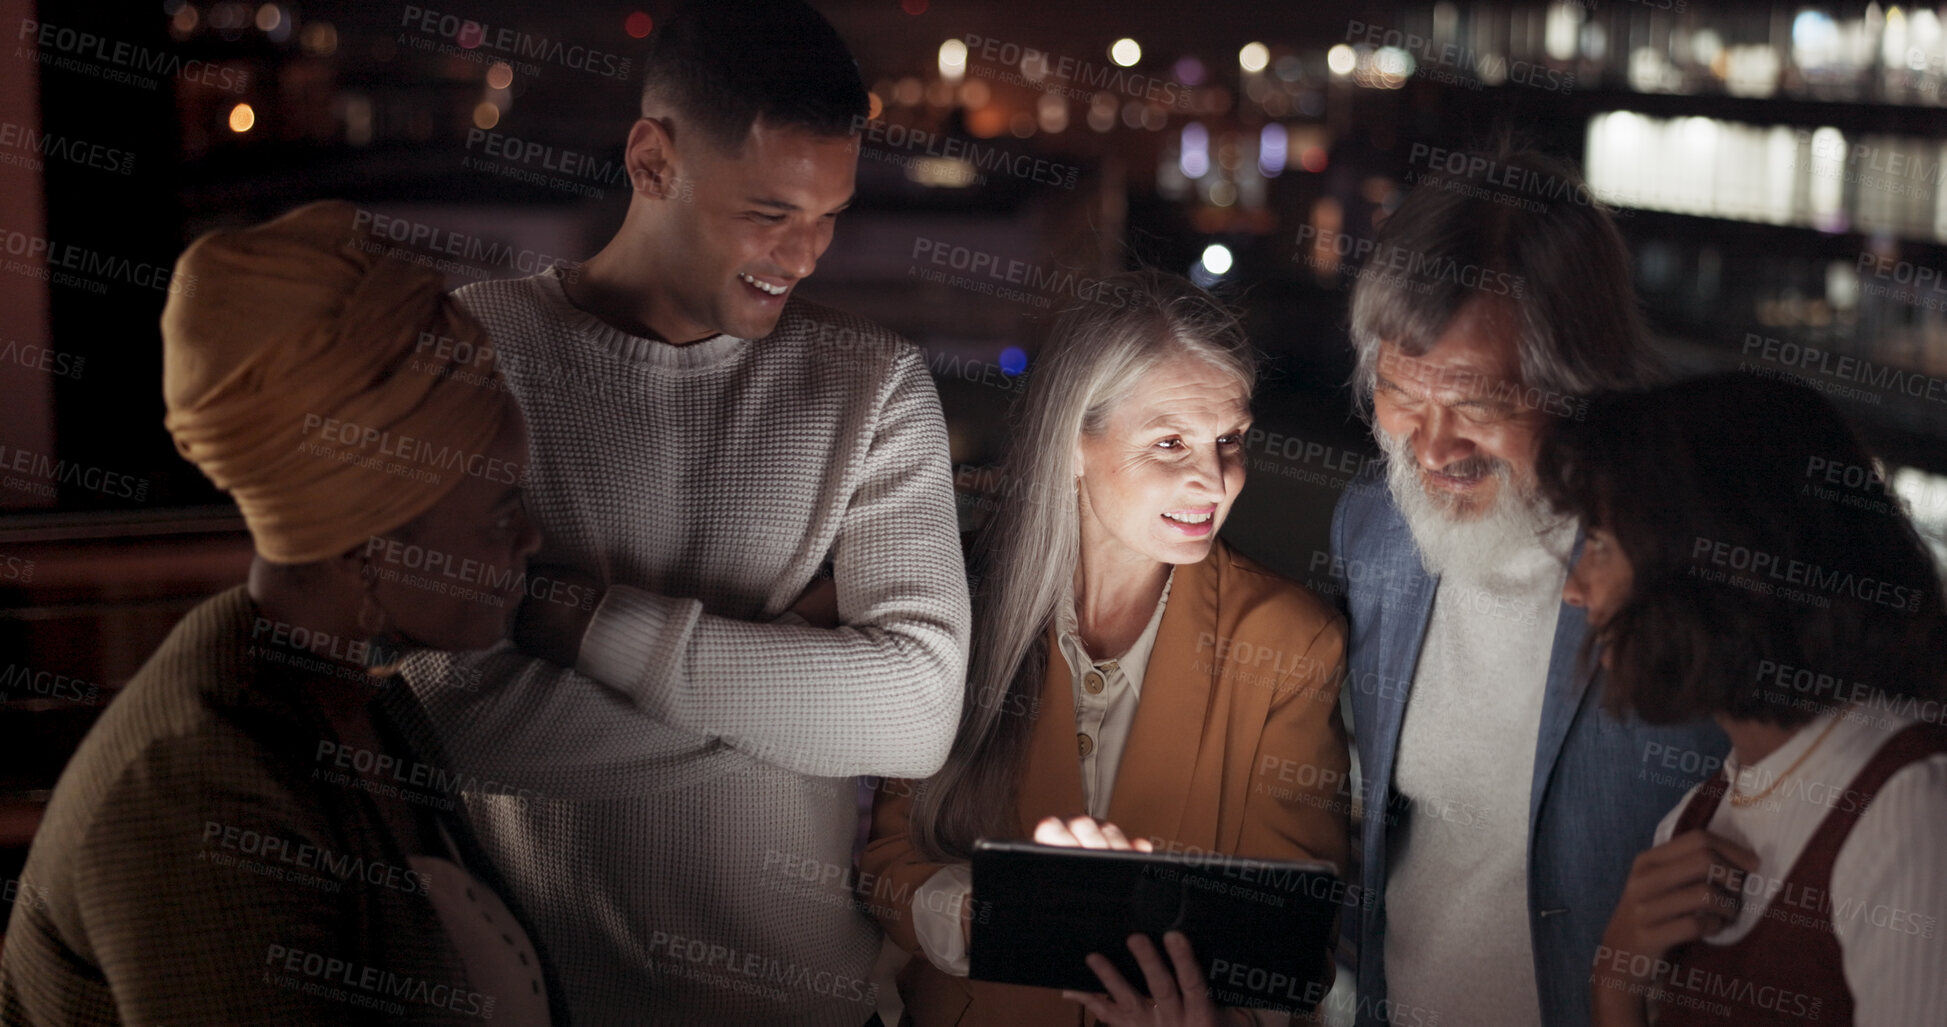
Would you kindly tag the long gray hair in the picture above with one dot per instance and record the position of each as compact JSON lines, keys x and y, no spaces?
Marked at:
{"x":1518,"y":225}
{"x":1028,"y":551}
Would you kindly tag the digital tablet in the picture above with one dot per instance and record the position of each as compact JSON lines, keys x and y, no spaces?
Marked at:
{"x":1262,"y":929}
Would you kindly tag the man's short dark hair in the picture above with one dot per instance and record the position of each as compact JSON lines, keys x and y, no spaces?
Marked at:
{"x":721,"y":65}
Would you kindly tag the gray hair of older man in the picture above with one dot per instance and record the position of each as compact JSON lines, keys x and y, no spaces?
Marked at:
{"x":1518,"y":225}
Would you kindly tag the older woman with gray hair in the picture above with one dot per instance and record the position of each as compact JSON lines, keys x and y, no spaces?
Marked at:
{"x":1102,"y":705}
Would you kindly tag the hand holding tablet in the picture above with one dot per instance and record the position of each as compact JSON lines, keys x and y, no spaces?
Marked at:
{"x":1181,"y":994}
{"x":1088,"y":911}
{"x":1086,"y":833}
{"x":1178,"y":994}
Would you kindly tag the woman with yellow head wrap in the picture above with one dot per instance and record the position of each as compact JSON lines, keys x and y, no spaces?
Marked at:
{"x":247,"y":835}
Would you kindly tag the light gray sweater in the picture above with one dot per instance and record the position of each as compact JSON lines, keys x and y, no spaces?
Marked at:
{"x":678,"y":817}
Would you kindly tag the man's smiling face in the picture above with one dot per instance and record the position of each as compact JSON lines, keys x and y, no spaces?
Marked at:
{"x":755,"y":224}
{"x":1455,"y":408}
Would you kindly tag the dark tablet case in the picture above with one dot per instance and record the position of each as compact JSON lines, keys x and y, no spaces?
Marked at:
{"x":1261,"y":928}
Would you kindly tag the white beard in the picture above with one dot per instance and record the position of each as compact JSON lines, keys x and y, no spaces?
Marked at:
{"x":1515,"y":525}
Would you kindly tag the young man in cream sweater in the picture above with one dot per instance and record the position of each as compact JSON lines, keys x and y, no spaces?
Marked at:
{"x":680,"y":813}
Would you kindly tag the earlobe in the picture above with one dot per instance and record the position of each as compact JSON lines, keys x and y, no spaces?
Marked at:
{"x":648,"y":158}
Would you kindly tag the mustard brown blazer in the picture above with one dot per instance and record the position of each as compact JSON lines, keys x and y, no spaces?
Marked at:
{"x":1237,"y":748}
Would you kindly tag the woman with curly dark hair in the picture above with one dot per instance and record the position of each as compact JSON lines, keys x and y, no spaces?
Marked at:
{"x":1745,"y":559}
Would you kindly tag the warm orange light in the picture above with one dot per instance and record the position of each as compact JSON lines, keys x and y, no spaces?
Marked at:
{"x":638,"y":24}
{"x":320,"y":38}
{"x":242,"y":118}
{"x":486,"y":115}
{"x":500,"y":76}
{"x":878,"y":107}
{"x":987,"y":122}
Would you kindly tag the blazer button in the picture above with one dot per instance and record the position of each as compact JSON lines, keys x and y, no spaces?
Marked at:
{"x":1084,"y":743}
{"x":1092,"y":682}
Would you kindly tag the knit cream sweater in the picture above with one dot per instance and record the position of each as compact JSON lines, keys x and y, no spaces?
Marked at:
{"x":678,"y":815}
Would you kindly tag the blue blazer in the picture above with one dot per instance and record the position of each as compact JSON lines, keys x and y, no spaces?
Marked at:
{"x":1600,"y":784}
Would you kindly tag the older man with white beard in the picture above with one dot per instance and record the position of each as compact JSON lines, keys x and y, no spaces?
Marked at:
{"x":1502,"y":808}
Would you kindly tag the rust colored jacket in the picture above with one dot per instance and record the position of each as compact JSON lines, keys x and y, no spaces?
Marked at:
{"x":1236,"y":748}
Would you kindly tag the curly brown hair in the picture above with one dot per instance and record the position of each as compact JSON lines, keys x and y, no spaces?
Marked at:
{"x":1749,"y":554}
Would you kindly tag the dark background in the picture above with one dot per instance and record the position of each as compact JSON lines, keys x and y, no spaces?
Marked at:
{"x":356,"y":100}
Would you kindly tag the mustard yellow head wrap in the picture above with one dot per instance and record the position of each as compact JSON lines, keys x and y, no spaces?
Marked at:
{"x":334,"y":392}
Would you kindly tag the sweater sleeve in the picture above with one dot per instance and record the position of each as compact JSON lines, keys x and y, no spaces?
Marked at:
{"x":892,"y":871}
{"x":878,"y":695}
{"x":179,"y":923}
